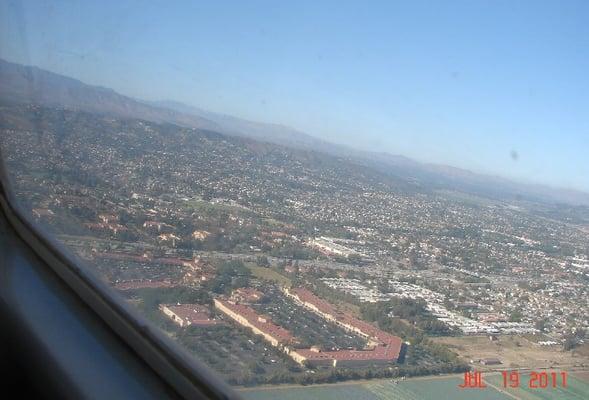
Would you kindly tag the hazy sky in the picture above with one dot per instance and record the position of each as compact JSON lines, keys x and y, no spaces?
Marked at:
{"x":466,"y":83}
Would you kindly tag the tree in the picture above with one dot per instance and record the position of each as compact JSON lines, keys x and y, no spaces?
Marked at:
{"x":573,"y":338}
{"x":263,"y":261}
{"x":540,"y":325}
{"x":515,"y":316}
{"x":569,"y":343}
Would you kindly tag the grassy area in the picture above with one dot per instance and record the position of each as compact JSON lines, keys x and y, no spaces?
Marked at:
{"x":411,"y":389}
{"x":273,"y":222}
{"x":349,"y":307}
{"x":466,"y":198}
{"x":268,"y":274}
{"x":334,"y":392}
{"x":423,"y":389}
{"x":207,"y":207}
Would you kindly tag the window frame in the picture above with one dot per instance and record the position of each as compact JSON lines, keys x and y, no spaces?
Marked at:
{"x":188,"y":377}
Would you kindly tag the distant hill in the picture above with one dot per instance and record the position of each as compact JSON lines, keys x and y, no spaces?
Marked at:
{"x":25,"y":84}
{"x":433,"y":176}
{"x":234,"y":126}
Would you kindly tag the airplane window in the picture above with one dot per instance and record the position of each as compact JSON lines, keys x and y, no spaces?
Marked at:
{"x":320,"y":200}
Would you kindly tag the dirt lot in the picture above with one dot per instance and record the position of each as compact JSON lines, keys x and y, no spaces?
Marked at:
{"x":583,"y":375}
{"x":514,"y":352}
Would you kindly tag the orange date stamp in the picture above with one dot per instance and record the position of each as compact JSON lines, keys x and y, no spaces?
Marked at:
{"x":515,"y":379}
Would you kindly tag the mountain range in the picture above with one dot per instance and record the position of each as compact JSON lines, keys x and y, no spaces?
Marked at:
{"x":29,"y":84}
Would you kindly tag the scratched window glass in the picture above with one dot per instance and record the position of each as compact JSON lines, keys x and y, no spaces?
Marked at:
{"x":320,"y":199}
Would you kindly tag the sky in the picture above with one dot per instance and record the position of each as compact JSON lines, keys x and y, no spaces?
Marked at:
{"x":499,"y":87}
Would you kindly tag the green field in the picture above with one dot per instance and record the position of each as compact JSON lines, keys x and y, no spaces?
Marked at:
{"x":413,"y":389}
{"x":335,"y":392}
{"x":421,"y":388}
{"x":268,"y":274}
{"x":207,"y":207}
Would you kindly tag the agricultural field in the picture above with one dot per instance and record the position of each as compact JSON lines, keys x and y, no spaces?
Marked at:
{"x":410,"y":389}
{"x":422,"y":388}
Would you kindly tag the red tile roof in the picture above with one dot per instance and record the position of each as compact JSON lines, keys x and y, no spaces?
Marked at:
{"x":388,"y":348}
{"x":307,"y":296}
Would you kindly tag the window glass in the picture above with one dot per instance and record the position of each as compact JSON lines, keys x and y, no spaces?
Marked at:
{"x":320,"y":200}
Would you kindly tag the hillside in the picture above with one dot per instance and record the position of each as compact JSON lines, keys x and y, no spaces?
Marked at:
{"x":25,"y":84}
